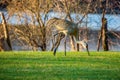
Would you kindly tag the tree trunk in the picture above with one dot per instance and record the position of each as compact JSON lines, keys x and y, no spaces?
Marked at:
{"x":44,"y":40}
{"x":6,"y":44}
{"x":104,"y":35}
{"x":98,"y":43}
{"x":72,"y":44}
{"x":1,"y":44}
{"x":104,"y":30}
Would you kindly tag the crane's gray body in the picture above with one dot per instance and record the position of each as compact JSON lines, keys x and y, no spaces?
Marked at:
{"x":68,"y":28}
{"x":64,"y":26}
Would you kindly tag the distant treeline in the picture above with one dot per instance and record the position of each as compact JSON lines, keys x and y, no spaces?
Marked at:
{"x":113,"y":5}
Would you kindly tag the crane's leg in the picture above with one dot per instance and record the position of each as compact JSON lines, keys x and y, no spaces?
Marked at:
{"x":65,"y":47}
{"x":65,"y":44}
{"x":84,"y":45}
{"x":57,"y":43}
{"x":55,"y":51}
{"x":87,"y":49}
{"x":60,"y":37}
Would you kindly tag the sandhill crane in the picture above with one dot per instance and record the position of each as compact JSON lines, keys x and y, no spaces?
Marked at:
{"x":67,"y":28}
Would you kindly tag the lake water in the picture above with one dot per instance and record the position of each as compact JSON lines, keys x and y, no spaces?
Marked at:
{"x":93,"y":20}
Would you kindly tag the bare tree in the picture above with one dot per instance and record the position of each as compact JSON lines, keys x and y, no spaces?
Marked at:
{"x":5,"y":43}
{"x":34,"y":15}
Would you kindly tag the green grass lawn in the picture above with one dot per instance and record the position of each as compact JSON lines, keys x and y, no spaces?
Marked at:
{"x":45,"y":66}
